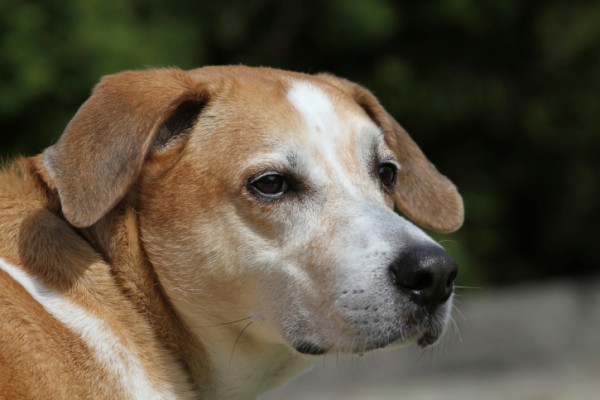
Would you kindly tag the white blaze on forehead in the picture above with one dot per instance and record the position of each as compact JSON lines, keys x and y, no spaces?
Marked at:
{"x":323,"y":126}
{"x":322,"y":123}
{"x":312,"y":103}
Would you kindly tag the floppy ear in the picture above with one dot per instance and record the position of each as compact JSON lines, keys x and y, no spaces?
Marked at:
{"x":102,"y":150}
{"x":424,"y":195}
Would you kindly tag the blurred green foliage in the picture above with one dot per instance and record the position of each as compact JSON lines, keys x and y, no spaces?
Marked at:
{"x":504,"y":96}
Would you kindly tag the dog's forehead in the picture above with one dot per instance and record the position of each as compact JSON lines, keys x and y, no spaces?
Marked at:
{"x":258,"y":92}
{"x":308,"y":110}
{"x":328,"y":112}
{"x":296,"y":121}
{"x":314,"y":106}
{"x":334,"y":128}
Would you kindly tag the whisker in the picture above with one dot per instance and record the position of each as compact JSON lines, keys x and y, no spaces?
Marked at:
{"x":468,"y":287}
{"x":421,"y":354}
{"x":447,"y":241}
{"x":454,"y":307}
{"x":225,"y":323}
{"x":431,"y":354}
{"x":456,"y":330}
{"x":237,"y":340}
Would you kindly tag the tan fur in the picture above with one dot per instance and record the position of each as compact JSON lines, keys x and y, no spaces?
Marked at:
{"x":104,"y":219}
{"x":46,"y":247}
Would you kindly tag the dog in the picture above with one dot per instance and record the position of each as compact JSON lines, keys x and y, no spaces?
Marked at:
{"x":207,"y":234}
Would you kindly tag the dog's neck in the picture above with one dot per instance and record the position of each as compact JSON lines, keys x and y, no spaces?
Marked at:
{"x":116,"y":237}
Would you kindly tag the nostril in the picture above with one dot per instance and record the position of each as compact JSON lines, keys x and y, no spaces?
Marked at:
{"x":417,"y":282}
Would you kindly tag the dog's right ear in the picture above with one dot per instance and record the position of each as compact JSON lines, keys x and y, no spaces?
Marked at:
{"x":103,"y":148}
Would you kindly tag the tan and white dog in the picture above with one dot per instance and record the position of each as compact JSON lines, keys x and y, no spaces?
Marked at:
{"x":206,"y":234}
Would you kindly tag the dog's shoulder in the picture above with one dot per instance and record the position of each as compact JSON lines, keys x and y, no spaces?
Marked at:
{"x":27,"y":328}
{"x":18,"y":187}
{"x":20,"y":197}
{"x":30,"y":221}
{"x":22,"y":190}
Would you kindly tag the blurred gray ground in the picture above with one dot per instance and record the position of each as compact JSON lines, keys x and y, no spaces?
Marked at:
{"x":524,"y":343}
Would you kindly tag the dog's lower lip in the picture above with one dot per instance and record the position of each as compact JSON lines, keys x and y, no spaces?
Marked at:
{"x":310,"y":349}
{"x":427,"y":339}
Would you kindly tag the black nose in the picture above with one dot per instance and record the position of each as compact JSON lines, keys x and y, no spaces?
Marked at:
{"x":426,"y":273}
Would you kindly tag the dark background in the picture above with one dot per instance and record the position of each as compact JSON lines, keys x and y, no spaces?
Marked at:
{"x":503,"y":96}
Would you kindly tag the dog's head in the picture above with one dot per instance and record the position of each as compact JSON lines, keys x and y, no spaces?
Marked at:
{"x":267,"y":197}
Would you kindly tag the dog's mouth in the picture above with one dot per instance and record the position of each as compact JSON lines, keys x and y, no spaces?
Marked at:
{"x":429,"y":338}
{"x":425,"y":332}
{"x":310,"y":349}
{"x":424,"y":340}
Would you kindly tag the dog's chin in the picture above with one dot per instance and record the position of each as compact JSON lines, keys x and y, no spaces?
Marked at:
{"x":424,"y":336}
{"x":423,"y":340}
{"x":428,"y":339}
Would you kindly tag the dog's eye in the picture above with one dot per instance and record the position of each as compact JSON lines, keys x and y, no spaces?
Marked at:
{"x":388,"y":173}
{"x":270,"y":185}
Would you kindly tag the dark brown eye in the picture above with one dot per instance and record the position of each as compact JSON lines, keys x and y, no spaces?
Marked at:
{"x":387,"y":175}
{"x":270,"y":185}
